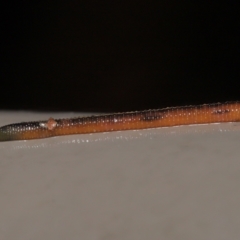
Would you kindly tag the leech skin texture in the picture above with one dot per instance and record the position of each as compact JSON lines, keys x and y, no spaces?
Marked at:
{"x":166,"y":117}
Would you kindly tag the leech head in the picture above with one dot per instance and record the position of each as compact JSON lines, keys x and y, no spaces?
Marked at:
{"x":50,"y":124}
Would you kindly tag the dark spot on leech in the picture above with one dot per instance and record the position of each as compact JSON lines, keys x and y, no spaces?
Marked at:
{"x":220,"y":111}
{"x":23,"y":126}
{"x":204,"y":106}
{"x":151,"y":117}
{"x":111,"y":118}
{"x":75,"y":121}
{"x":93,"y":120}
{"x":128,"y":116}
{"x":101,"y":119}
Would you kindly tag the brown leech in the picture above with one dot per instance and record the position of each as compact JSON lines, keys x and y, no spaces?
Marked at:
{"x":166,"y":117}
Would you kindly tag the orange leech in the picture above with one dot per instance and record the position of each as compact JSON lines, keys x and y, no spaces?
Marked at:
{"x":166,"y":117}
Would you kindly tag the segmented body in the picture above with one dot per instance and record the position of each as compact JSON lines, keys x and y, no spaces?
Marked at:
{"x":166,"y":117}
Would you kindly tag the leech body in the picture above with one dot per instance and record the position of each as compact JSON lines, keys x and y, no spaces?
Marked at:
{"x":166,"y":117}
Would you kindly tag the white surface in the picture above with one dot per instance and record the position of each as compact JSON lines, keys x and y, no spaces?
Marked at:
{"x":171,"y":183}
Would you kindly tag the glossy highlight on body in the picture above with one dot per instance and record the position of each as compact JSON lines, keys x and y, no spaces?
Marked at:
{"x":166,"y":117}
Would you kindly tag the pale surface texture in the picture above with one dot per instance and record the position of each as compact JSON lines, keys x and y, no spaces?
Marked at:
{"x":171,"y":183}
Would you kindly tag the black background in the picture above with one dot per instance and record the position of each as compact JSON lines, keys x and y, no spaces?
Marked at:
{"x":118,"y":55}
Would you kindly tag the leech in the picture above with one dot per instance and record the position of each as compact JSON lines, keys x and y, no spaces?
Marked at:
{"x":166,"y":117}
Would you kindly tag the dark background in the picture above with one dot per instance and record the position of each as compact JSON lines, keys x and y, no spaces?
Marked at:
{"x":118,"y":55}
